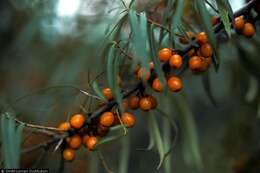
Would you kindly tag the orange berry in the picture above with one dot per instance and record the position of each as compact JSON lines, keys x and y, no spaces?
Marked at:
{"x":239,"y":23}
{"x":107,"y":119}
{"x":202,"y":38}
{"x":75,"y":142}
{"x":143,"y":74}
{"x":175,"y":61}
{"x":195,"y":63}
{"x":134,"y":102}
{"x":156,"y":85}
{"x":249,"y":30}
{"x":85,"y":138}
{"x":107,"y":92}
{"x":64,"y":126}
{"x":69,"y":154}
{"x":214,"y":20}
{"x":91,"y":142}
{"x":77,"y":121}
{"x":165,"y":54}
{"x":174,"y":84}
{"x":206,"y":50}
{"x":153,"y":101}
{"x":125,"y":104}
{"x":128,"y":119}
{"x":145,"y":104}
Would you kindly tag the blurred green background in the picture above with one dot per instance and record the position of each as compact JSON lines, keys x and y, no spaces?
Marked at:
{"x":46,"y":43}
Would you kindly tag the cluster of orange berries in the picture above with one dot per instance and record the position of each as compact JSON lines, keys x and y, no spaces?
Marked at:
{"x":244,"y":27}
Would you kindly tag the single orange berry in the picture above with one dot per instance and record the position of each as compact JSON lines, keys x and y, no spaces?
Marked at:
{"x":107,"y":119}
{"x":143,"y":74}
{"x":165,"y":54}
{"x":64,"y":126}
{"x":75,"y":142}
{"x":206,"y":50}
{"x":156,"y":85}
{"x":145,"y":104}
{"x":195,"y":63}
{"x":128,"y":119}
{"x":134,"y":102}
{"x":77,"y":121}
{"x":69,"y":154}
{"x":202,"y":38}
{"x":239,"y":23}
{"x":174,"y":84}
{"x":91,"y":142}
{"x":107,"y":92}
{"x":249,"y":30}
{"x":175,"y":61}
{"x":214,"y":20}
{"x":153,"y":101}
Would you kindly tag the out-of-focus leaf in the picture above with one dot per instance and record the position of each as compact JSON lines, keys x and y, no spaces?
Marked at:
{"x":207,"y":87}
{"x":157,"y":138}
{"x":176,"y":20}
{"x":252,"y":89}
{"x":124,"y":155}
{"x":206,"y":21}
{"x":12,"y":141}
{"x":191,"y":149}
{"x":225,"y":14}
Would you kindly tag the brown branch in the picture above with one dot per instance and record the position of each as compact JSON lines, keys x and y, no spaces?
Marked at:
{"x":138,"y":87}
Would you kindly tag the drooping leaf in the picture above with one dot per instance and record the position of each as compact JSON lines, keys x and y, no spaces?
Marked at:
{"x":153,"y":52}
{"x":138,"y":26}
{"x":124,"y":155}
{"x":157,"y":138}
{"x":97,"y":90}
{"x":207,"y":87}
{"x":191,"y":149}
{"x":225,"y":15}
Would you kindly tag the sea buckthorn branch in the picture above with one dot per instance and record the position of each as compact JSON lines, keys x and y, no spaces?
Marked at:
{"x":139,"y":87}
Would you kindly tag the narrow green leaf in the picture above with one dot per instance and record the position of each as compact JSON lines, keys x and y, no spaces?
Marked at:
{"x":157,"y":138}
{"x":225,"y":15}
{"x":97,"y":90}
{"x":124,"y":155}
{"x":176,"y":20}
{"x":191,"y":149}
{"x":154,"y":57}
{"x":207,"y":87}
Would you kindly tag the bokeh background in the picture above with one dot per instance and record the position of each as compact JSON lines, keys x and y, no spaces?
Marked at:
{"x":46,"y":43}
